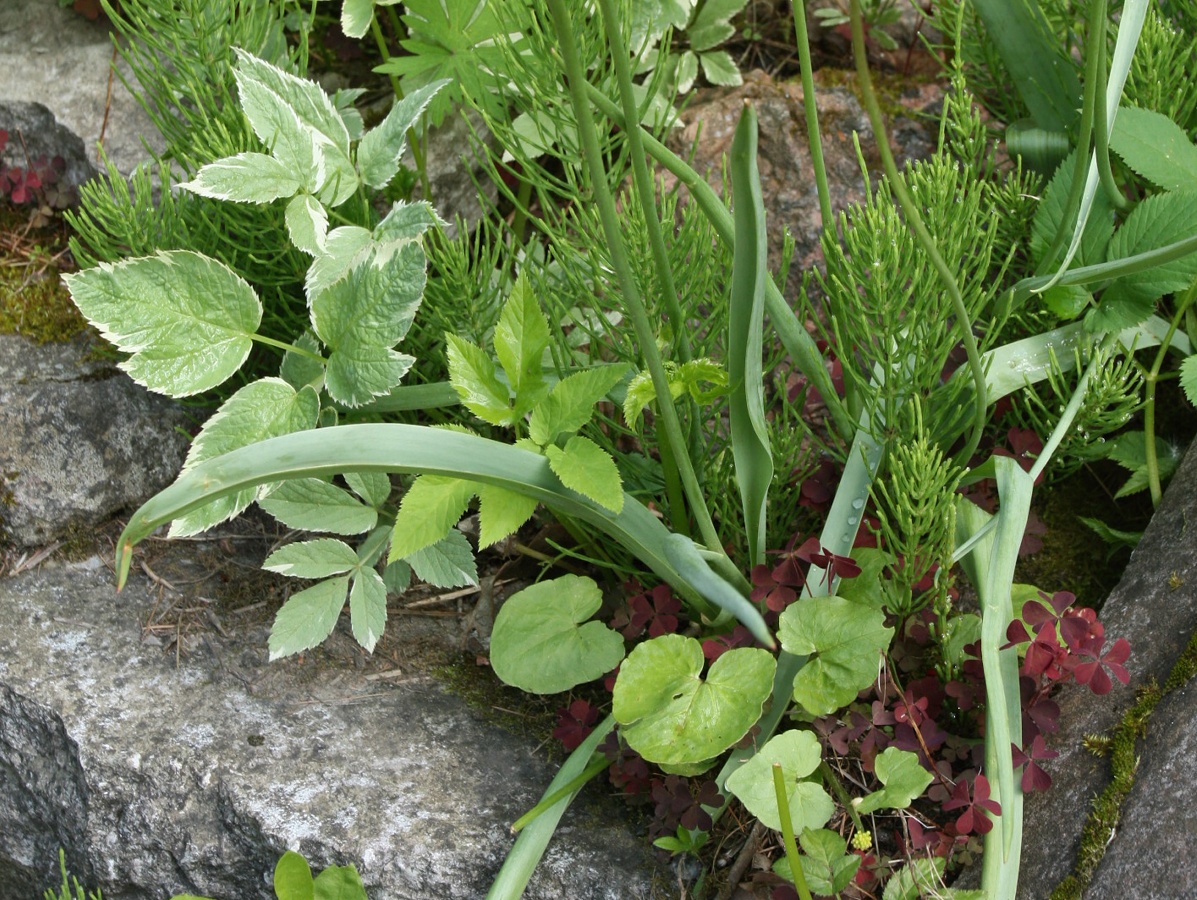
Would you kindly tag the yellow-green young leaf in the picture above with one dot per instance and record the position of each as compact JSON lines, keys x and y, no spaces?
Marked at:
{"x":310,"y":504}
{"x":686,"y":378}
{"x":671,"y":715}
{"x":312,"y":559}
{"x":368,"y":608}
{"x":521,"y":337}
{"x":1156,"y":148}
{"x":799,"y":754}
{"x":844,"y":639}
{"x":245,"y":178}
{"x":429,"y":510}
{"x":263,"y":409}
{"x":339,"y":883}
{"x":539,"y":643}
{"x":380,"y":150}
{"x":570,"y":404}
{"x":904,"y":778}
{"x":448,"y":563}
{"x":585,"y":467}
{"x":500,"y":513}
{"x":308,"y":617}
{"x":472,"y":374}
{"x":186,"y":320}
{"x":293,"y":878}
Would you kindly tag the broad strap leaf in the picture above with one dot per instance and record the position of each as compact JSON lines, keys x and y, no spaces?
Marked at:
{"x":585,"y":467}
{"x":312,"y":559}
{"x":380,"y":150}
{"x":521,"y":338}
{"x":245,"y":178}
{"x":308,"y":617}
{"x":570,"y":404}
{"x":310,"y":504}
{"x":307,"y":223}
{"x":263,"y":409}
{"x":1156,"y":148}
{"x":368,"y":608}
{"x":448,"y":563}
{"x":430,"y":509}
{"x":473,"y":375}
{"x":501,"y":513}
{"x":187,"y":320}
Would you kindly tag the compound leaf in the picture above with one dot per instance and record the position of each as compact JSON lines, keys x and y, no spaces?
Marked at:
{"x":308,"y":617}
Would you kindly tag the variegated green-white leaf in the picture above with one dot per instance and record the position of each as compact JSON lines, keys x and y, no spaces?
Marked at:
{"x":312,"y":559}
{"x":309,"y":101}
{"x":310,"y":504}
{"x":344,"y":249}
{"x":405,"y":222}
{"x":245,"y":178}
{"x":357,"y":373}
{"x":356,"y":16}
{"x":448,"y":563}
{"x":380,"y":150}
{"x":307,"y":223}
{"x":430,"y":509}
{"x":301,"y":369}
{"x":368,"y":608}
{"x":263,"y":409}
{"x":375,"y":304}
{"x":187,"y":320}
{"x":308,"y":617}
{"x":542,"y":643}
{"x":292,"y":142}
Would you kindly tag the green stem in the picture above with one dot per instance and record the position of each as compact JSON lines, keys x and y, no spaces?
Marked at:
{"x":588,"y":137}
{"x":566,"y":790}
{"x":793,"y":336}
{"x":674,"y":492}
{"x":841,"y":793}
{"x":283,"y":345}
{"x":787,"y":832}
{"x":1084,"y":136}
{"x":915,"y":220}
{"x":1101,"y":125}
{"x":812,"y":114}
{"x":1153,"y":378}
{"x":519,"y":222}
{"x":413,"y":139}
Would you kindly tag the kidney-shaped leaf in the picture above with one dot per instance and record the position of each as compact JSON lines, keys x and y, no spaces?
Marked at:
{"x":539,"y":643}
{"x":844,"y":641}
{"x":904,"y":778}
{"x":670,"y":714}
{"x":799,"y":755}
{"x":186,"y":319}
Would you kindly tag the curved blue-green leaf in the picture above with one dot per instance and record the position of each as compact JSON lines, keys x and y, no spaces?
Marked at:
{"x":684,"y":555}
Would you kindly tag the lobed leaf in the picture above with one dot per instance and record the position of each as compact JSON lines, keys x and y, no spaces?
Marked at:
{"x":542,"y":643}
{"x":904,"y":778}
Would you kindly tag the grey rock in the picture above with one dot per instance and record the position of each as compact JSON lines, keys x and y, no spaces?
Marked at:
{"x":54,"y":56}
{"x":787,"y":179}
{"x":1158,"y":620}
{"x":33,"y":132}
{"x":159,"y":779}
{"x":78,"y":440}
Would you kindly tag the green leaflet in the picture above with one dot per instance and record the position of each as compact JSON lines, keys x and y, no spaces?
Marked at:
{"x":799,"y":754}
{"x":263,"y":409}
{"x":570,"y":404}
{"x":373,"y":487}
{"x":585,"y":467}
{"x":539,"y":643}
{"x":429,"y":510}
{"x":712,"y":24}
{"x":1049,"y":215}
{"x":307,"y":223}
{"x":293,"y":878}
{"x":1156,"y":222}
{"x":845,"y":640}
{"x":310,"y":504}
{"x":827,"y":866}
{"x":368,"y":608}
{"x":312,"y":559}
{"x":501,"y":513}
{"x":245,"y":178}
{"x":448,"y":563}
{"x":1156,"y":148}
{"x":186,"y":320}
{"x":904,"y":778}
{"x":746,"y":413}
{"x":474,"y":377}
{"x":521,"y":338}
{"x":671,"y":715}
{"x":308,"y":617}
{"x":299,"y":369}
{"x":380,"y":150}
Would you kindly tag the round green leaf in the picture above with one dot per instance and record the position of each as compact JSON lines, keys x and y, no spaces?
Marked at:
{"x":844,"y":641}
{"x":669,"y":714}
{"x":538,"y":645}
{"x":904,"y":778}
{"x":293,"y":878}
{"x":799,"y":754}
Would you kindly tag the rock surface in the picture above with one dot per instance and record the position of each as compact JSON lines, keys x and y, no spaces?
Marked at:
{"x":1149,"y":856}
{"x":54,"y":56}
{"x":158,"y":778}
{"x":78,"y":440}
